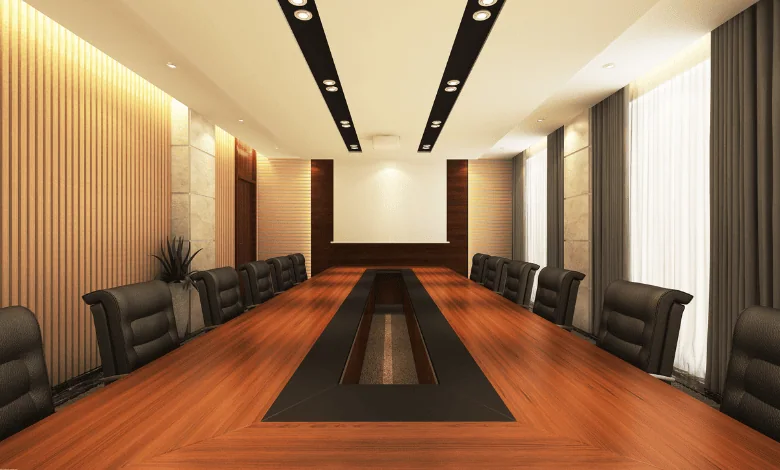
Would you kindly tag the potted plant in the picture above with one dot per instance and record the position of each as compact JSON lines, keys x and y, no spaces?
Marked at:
{"x":176,"y":272}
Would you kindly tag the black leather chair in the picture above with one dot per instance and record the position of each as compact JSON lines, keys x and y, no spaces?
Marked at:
{"x":640,"y":324}
{"x":134,"y":325}
{"x":25,"y":394}
{"x":494,"y":269}
{"x":220,"y":295}
{"x":750,"y":393}
{"x":283,"y":271}
{"x":478,"y":267}
{"x":256,"y":282}
{"x":299,"y":267}
{"x":519,"y":281}
{"x":556,"y":295}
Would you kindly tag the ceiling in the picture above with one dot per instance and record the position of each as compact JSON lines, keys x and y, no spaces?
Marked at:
{"x":238,"y":59}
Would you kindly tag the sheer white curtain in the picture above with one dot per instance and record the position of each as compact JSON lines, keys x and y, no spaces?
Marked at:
{"x":536,"y":211}
{"x":669,"y":216}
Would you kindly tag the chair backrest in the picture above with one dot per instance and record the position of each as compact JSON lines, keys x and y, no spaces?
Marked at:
{"x":751,"y":393}
{"x":283,"y":269}
{"x":25,"y":394}
{"x":556,"y":294}
{"x":478,"y":267}
{"x":256,"y":281}
{"x":299,"y":267}
{"x":640,"y":324}
{"x":135,"y":325}
{"x":493,"y":270}
{"x":220,"y":295}
{"x":519,"y":281}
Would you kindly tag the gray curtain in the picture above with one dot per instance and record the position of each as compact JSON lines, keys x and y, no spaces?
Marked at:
{"x":744,"y":175}
{"x":608,"y":146}
{"x":555,"y":199}
{"x":518,"y":207}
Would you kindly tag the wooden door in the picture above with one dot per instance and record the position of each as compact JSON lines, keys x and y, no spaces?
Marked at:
{"x":246,"y":204}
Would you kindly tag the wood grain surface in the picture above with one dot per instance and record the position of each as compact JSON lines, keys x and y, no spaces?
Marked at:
{"x":576,"y":405}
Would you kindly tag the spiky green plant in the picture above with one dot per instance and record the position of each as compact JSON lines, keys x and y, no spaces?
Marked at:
{"x":175,"y":263}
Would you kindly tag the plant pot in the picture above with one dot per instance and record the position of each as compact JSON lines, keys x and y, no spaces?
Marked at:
{"x":186,"y":308}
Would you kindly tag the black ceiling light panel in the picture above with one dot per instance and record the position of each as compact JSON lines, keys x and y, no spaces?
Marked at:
{"x":304,"y":20}
{"x":475,"y":27}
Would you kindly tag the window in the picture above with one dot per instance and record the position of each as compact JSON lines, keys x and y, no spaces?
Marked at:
{"x":536,"y":211}
{"x":668,"y":178}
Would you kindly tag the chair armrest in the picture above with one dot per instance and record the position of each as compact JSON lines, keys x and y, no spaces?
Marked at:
{"x":278,"y":293}
{"x":663,"y":378}
{"x":250,"y":307}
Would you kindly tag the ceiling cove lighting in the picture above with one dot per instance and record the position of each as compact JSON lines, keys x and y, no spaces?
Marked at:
{"x":310,"y":36}
{"x":471,"y":37}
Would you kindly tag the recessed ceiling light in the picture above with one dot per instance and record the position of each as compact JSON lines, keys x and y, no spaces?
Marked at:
{"x":346,"y":125}
{"x":484,"y":3}
{"x":240,"y":120}
{"x":303,"y":15}
{"x":332,"y":89}
{"x":540,"y":120}
{"x":329,"y":82}
{"x":435,"y":122}
{"x":453,"y":82}
{"x":344,"y":122}
{"x":170,"y":65}
{"x":450,"y":89}
{"x":435,"y":126}
{"x":481,"y":15}
{"x":353,"y":146}
{"x":426,"y":147}
{"x":609,"y":66}
{"x":300,"y":3}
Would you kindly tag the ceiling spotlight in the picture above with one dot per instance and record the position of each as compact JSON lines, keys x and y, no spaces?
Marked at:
{"x":329,"y":82}
{"x":481,"y":15}
{"x":353,"y":146}
{"x":426,"y":147}
{"x":436,"y":122}
{"x":305,"y":15}
{"x":609,"y":66}
{"x":344,"y":122}
{"x":346,"y":125}
{"x":170,"y":65}
{"x":240,"y":120}
{"x":450,"y":89}
{"x":453,"y":82}
{"x":484,"y":3}
{"x":332,"y":89}
{"x":540,"y":120}
{"x":436,"y":126}
{"x":300,"y":3}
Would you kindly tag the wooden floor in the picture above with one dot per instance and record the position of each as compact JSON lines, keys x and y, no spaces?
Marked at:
{"x":575,"y":405}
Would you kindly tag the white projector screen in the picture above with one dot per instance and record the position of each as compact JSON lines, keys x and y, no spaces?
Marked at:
{"x":399,"y":201}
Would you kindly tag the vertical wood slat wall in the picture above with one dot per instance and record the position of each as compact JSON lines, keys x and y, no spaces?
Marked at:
{"x":225,"y":218}
{"x":283,"y":208}
{"x":490,"y":208}
{"x":84,"y":180}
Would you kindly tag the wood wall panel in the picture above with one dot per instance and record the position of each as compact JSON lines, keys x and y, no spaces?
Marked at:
{"x":246,"y":203}
{"x":84,"y":180}
{"x":225,"y":221}
{"x":490,"y":208}
{"x":284,"y":208}
{"x":452,"y":255}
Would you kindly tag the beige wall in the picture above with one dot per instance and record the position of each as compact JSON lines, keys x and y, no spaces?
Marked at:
{"x":283,"y":208}
{"x":490,"y":207}
{"x":225,"y":194}
{"x":577,"y":211}
{"x":84,"y":180}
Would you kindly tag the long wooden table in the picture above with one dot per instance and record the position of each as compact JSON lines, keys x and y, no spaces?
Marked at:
{"x":575,"y":405}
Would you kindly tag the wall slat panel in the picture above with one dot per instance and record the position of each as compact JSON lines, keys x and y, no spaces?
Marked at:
{"x":283,"y":208}
{"x":225,"y":190}
{"x":490,"y":208}
{"x":84,"y":180}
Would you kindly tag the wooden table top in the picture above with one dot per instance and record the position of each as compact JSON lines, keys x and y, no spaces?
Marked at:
{"x":576,"y":406}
